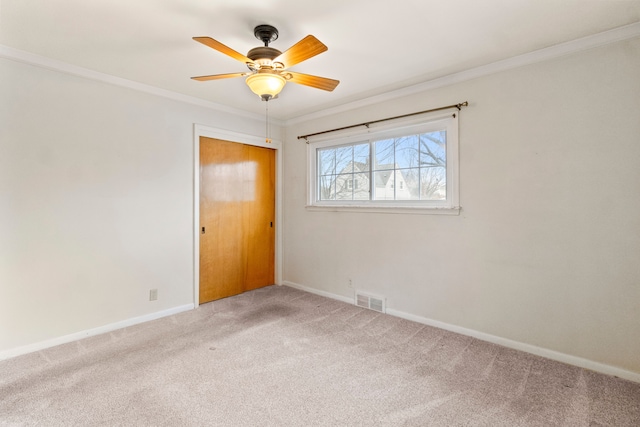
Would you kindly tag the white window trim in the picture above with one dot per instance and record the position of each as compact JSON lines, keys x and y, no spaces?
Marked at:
{"x":390,"y":130}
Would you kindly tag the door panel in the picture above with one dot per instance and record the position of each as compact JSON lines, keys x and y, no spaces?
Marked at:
{"x":237,"y":210}
{"x":258,"y":220}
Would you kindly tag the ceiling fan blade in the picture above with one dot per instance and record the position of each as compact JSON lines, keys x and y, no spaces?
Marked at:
{"x":219,"y":76}
{"x":306,"y":48}
{"x":313,"y":81}
{"x":214,"y":44}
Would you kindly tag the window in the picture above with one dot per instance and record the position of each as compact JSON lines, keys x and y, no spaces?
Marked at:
{"x":352,"y":184}
{"x":407,"y":167}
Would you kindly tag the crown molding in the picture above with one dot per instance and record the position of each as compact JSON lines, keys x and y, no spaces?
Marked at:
{"x":600,"y":39}
{"x":64,"y":67}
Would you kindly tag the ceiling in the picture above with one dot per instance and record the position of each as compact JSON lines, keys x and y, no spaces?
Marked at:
{"x":375,"y":46}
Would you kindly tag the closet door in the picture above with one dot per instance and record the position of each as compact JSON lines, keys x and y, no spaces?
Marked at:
{"x":237,"y":213}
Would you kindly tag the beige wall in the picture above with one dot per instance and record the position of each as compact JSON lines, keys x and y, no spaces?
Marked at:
{"x":546,"y":250}
{"x":96,"y":202}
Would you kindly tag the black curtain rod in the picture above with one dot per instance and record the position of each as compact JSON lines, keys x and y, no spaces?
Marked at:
{"x":458,"y":106}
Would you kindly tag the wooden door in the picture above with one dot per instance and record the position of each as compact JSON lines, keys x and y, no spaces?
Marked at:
{"x":237,"y":214}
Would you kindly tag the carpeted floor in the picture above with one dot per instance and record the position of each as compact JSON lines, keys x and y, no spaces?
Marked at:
{"x":282,"y":357}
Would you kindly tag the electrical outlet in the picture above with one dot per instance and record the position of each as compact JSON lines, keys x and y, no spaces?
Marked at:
{"x":350,"y":283}
{"x":153,"y":295}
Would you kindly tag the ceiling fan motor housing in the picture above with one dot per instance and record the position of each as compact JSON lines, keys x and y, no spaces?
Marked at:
{"x":263,"y":56}
{"x":263,"y":52}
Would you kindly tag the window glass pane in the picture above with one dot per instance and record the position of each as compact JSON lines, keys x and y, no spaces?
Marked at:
{"x":407,"y":184}
{"x":344,"y":187}
{"x":410,"y":169}
{"x":383,"y":185}
{"x":407,"y":152}
{"x":433,"y":149}
{"x":412,"y":181}
{"x":361,"y":186}
{"x":326,"y":188}
{"x":361,"y":158}
{"x":384,"y":154}
{"x":326,"y":162}
{"x":344,"y":160}
{"x":433,"y":184}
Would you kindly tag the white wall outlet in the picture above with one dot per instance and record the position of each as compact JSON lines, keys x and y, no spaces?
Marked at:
{"x":350,"y":283}
{"x":153,"y":294}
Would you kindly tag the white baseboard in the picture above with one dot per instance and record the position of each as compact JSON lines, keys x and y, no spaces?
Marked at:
{"x":516,"y":345}
{"x":14,"y":352}
{"x":318,"y":292}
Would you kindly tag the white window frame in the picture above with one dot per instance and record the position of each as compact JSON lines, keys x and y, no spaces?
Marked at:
{"x":435,"y":122}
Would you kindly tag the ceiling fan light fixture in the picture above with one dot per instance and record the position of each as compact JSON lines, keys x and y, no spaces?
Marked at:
{"x":266,"y":85}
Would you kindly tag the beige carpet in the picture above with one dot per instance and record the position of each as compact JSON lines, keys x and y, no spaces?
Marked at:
{"x":283,"y":357}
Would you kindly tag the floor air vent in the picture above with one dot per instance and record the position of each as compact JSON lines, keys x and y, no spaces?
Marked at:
{"x":371,"y":302}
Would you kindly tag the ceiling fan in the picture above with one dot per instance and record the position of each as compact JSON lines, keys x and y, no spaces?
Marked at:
{"x":268,"y":66}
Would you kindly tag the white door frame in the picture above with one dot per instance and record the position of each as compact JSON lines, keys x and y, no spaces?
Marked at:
{"x":241,"y":138}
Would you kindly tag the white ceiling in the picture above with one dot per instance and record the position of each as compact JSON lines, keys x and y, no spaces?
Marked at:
{"x":375,"y":46}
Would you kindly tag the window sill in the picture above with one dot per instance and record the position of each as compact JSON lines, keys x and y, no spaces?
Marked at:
{"x":416,"y":210}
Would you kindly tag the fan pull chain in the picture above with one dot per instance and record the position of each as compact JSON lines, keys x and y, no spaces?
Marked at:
{"x":267,"y":129}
